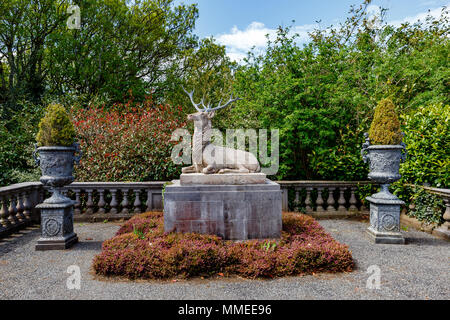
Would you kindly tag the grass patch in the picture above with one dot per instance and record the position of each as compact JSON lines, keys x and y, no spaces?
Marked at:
{"x":141,"y":250}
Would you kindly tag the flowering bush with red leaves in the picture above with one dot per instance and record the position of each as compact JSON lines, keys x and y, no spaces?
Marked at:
{"x":127,"y":142}
{"x":142,"y":250}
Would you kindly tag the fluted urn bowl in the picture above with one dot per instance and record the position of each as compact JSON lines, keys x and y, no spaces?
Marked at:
{"x":384,"y":163}
{"x":56,"y":164}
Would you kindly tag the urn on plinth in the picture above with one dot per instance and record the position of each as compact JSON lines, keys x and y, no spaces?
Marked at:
{"x":384,"y":163}
{"x":56,"y":164}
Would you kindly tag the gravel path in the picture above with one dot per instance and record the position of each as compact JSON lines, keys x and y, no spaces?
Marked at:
{"x":418,"y":270}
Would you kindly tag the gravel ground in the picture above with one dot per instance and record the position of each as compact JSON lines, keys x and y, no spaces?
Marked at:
{"x":418,"y":270}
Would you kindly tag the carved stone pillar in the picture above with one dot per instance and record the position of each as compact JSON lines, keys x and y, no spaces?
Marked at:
{"x":137,"y":201}
{"x":444,"y":229}
{"x":101,"y":201}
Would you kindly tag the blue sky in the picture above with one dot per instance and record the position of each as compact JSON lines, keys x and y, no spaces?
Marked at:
{"x":242,"y":24}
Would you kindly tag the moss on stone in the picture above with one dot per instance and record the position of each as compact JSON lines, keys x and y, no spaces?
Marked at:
{"x":385,"y":128}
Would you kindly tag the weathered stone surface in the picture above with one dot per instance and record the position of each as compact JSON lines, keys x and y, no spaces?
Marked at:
{"x":385,"y":221}
{"x":56,"y":226}
{"x":223,"y":179}
{"x":233,"y":212}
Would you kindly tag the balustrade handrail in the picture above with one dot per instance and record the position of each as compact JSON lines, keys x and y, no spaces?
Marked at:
{"x":323,"y":183}
{"x":19,"y":186}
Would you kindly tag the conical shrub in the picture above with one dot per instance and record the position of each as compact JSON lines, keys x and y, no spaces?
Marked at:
{"x":55,"y":128}
{"x":385,"y":128}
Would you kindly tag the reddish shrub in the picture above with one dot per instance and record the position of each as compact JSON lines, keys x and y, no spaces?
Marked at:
{"x":142,"y":250}
{"x":126,"y":143}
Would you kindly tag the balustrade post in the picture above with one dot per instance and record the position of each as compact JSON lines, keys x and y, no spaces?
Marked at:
{"x":341,"y":200}
{"x":319,"y":201}
{"x":149,"y":202}
{"x":13,"y":210}
{"x":330,"y":200}
{"x":285,"y":199}
{"x":113,"y":204}
{"x":444,"y":229}
{"x":20,"y":216}
{"x":353,"y":200}
{"x":125,"y":203}
{"x":101,"y":201}
{"x":297,"y":200}
{"x":137,"y":201}
{"x":27,"y":205}
{"x":4,"y":221}
{"x":77,"y":205}
{"x":90,"y":202}
{"x":308,"y":202}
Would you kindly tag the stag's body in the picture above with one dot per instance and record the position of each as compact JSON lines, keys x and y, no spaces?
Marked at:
{"x":208,"y":158}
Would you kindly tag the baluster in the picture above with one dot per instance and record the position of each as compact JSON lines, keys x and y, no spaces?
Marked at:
{"x":4,"y":221}
{"x":27,"y":205}
{"x":101,"y":201}
{"x":319,"y":200}
{"x":13,"y":210}
{"x":284,"y":199}
{"x":113,"y":204}
{"x":125,"y":202}
{"x":297,"y":200}
{"x":330,"y":200}
{"x":20,"y":216}
{"x":308,"y":202}
{"x":149,"y":202}
{"x":137,"y":201}
{"x":353,"y":200}
{"x":77,"y":205}
{"x":341,"y":200}
{"x":89,"y":202}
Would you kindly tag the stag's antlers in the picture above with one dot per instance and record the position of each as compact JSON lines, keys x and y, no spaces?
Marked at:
{"x":207,"y":108}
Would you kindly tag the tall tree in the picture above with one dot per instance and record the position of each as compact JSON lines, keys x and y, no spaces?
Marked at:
{"x":121,"y":45}
{"x":25,"y":26}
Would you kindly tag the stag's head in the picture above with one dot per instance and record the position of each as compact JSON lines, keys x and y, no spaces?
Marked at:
{"x":205,"y":111}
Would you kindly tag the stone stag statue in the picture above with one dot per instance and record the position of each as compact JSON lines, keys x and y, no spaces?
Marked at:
{"x":208,"y":158}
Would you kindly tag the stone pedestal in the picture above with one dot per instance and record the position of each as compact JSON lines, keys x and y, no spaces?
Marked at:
{"x":56,"y":226}
{"x":385,"y":219}
{"x":233,"y":212}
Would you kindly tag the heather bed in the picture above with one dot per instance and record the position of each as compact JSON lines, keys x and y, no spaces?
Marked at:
{"x":141,"y":250}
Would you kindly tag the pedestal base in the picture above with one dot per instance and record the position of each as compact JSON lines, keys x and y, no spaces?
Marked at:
{"x":44,"y":244}
{"x":385,"y":238}
{"x":232,"y":212}
{"x":385,"y":220}
{"x":56,"y":226}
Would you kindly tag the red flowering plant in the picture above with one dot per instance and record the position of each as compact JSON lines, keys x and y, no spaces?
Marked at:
{"x":127,"y":142}
{"x":142,"y":250}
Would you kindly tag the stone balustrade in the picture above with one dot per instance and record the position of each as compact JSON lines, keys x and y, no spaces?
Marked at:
{"x":444,"y":229}
{"x":324,"y":198}
{"x":99,"y":201}
{"x":17,"y":206}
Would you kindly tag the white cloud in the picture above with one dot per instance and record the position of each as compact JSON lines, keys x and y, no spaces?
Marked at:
{"x":239,"y":42}
{"x":435,"y":13}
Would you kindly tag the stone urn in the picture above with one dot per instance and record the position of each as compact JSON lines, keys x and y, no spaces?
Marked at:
{"x":56,"y":164}
{"x":384,"y":164}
